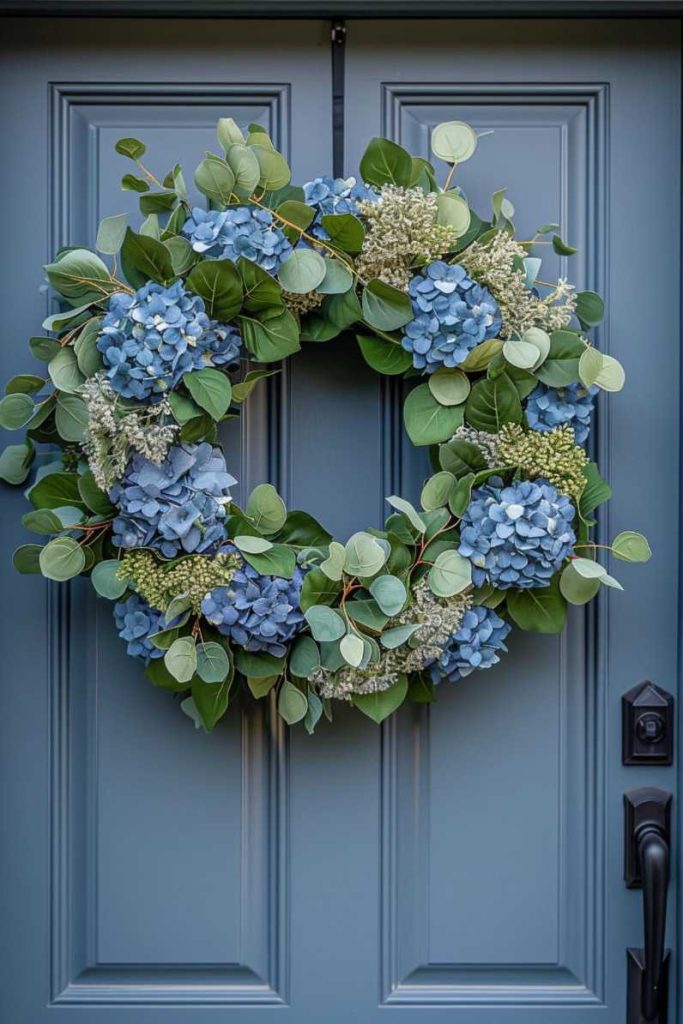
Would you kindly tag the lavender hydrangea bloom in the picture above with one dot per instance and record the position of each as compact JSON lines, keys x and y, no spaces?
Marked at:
{"x":517,"y":536}
{"x":150,"y":339}
{"x":240,"y":231}
{"x":334,"y":195}
{"x":136,"y":621}
{"x":547,"y":408}
{"x":177,"y":505}
{"x":481,"y":636}
{"x":452,"y":314}
{"x":259,"y":613}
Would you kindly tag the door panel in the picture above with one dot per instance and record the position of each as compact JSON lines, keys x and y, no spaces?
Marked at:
{"x":502,"y":834}
{"x":466,"y":856}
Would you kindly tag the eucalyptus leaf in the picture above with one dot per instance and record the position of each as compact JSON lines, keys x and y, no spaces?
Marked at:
{"x":106,"y":581}
{"x":352,"y":649}
{"x":213,"y":663}
{"x":325,"y":623}
{"x":437,"y":490}
{"x":385,"y":307}
{"x":630,"y":546}
{"x":449,"y":386}
{"x":387,"y":357}
{"x":305,"y":657}
{"x":292,"y":704}
{"x":576,"y":588}
{"x":302,"y":272}
{"x":409,"y":511}
{"x":453,"y":141}
{"x":61,"y":559}
{"x":364,"y":556}
{"x":426,"y":420}
{"x":452,"y":211}
{"x":333,"y":565}
{"x":71,"y":418}
{"x":110,"y":233}
{"x":266,"y":509}
{"x":450,"y":574}
{"x":390,"y":594}
{"x":15,"y":411}
{"x":215,"y":179}
{"x":181,"y":659}
{"x":15,"y":462}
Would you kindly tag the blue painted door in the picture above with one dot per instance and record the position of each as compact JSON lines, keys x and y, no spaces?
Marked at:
{"x":466,"y":857}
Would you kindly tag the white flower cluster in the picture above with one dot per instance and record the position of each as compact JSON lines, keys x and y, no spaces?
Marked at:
{"x":401,"y":233}
{"x":497,"y":264}
{"x":439,"y":619}
{"x":115,"y":430}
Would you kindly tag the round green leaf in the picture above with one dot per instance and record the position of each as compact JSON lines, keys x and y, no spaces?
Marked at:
{"x":228,"y":132}
{"x":110,"y":234}
{"x":275,"y":172}
{"x":521,"y":354}
{"x":576,"y":588}
{"x":450,"y":574}
{"x":453,"y":141}
{"x":333,"y":565}
{"x":449,"y":386}
{"x":15,"y":463}
{"x":181,"y":659}
{"x":132,"y":148}
{"x":64,"y":371}
{"x":26,"y":559}
{"x":630,"y":546}
{"x":292,"y":704}
{"x":612,"y":376}
{"x":302,"y":272}
{"x":437,"y":490}
{"x":590,"y":366}
{"x":561,"y":367}
{"x":213,"y":664}
{"x":588,"y":568}
{"x":590,"y":308}
{"x":245,"y":167}
{"x":325,"y":623}
{"x":337,"y":280}
{"x":253,"y":545}
{"x":211,"y":390}
{"x":390,"y":594}
{"x":352,"y":649}
{"x":71,"y":418}
{"x":15,"y":411}
{"x":80,"y":276}
{"x":397,"y":636}
{"x":452,"y":211}
{"x":105,"y":580}
{"x":61,"y":559}
{"x":24,"y":384}
{"x":266,"y":509}
{"x":427,"y":420}
{"x":305,"y":657}
{"x":215,"y":179}
{"x":364,"y":555}
{"x":407,"y":509}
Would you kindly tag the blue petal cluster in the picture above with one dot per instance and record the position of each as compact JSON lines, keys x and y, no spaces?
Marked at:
{"x":150,"y":339}
{"x":547,"y":408}
{"x":259,"y":613}
{"x":481,"y":636}
{"x":240,"y":231}
{"x":452,"y":314}
{"x":517,"y":536}
{"x":176,"y":505}
{"x":136,"y":621}
{"x":334,"y":195}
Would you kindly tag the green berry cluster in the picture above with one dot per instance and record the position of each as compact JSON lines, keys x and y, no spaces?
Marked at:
{"x":194,"y":576}
{"x":553,"y":455}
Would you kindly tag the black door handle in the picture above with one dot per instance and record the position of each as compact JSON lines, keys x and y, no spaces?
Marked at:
{"x":647,"y":866}
{"x":653,"y":854}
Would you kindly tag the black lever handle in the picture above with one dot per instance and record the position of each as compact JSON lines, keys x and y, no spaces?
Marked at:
{"x":653,"y":855}
{"x":647,"y":866}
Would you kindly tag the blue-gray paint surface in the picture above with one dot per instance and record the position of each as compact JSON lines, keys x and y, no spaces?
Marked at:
{"x":466,"y":856}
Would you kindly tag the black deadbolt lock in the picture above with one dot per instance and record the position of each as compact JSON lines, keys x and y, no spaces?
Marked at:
{"x":647,"y":721}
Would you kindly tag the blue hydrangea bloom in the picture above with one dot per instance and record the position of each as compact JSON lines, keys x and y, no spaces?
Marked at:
{"x":547,"y":408}
{"x":153,"y":337}
{"x":334,"y":195}
{"x":176,"y":505}
{"x":452,"y":314}
{"x":481,"y":636}
{"x":244,"y":231}
{"x":517,"y":536}
{"x":136,"y":621}
{"x":259,"y":613}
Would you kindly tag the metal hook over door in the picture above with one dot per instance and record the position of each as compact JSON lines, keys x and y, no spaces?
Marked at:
{"x":647,"y":860}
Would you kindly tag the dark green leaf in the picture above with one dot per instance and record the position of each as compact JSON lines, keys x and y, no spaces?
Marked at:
{"x":55,"y":490}
{"x":271,"y":337}
{"x":385,"y":307}
{"x":562,"y":364}
{"x":318,"y":589}
{"x":379,"y":706}
{"x":492,"y":403}
{"x":210,"y":389}
{"x":146,"y":256}
{"x":386,"y":163}
{"x":541,"y":611}
{"x":132,"y":148}
{"x":15,"y":462}
{"x":426,"y":420}
{"x":384,"y":356}
{"x":345,"y":231}
{"x":219,"y":284}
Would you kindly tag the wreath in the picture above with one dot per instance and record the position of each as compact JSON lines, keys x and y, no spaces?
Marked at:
{"x":147,"y":357}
